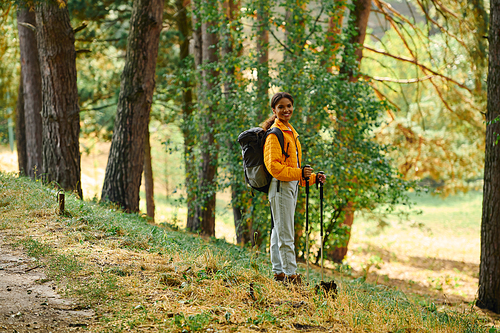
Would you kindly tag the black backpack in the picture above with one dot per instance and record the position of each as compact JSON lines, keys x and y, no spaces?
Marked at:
{"x":252,"y":147}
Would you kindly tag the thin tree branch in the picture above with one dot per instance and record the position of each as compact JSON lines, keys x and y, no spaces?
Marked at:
{"x":423,"y":67}
{"x":98,"y":108}
{"x":276,"y":38}
{"x":401,"y":81}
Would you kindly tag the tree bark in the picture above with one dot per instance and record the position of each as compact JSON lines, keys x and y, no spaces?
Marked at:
{"x":489,"y":269}
{"x":122,"y":180}
{"x":478,"y":53}
{"x":60,"y":109}
{"x":231,"y":8}
{"x":263,"y":54}
{"x":209,"y":151}
{"x":187,"y":111}
{"x":32,"y":87}
{"x":22,"y":157}
{"x":359,"y":20}
{"x":148,"y":177}
{"x":334,"y":29}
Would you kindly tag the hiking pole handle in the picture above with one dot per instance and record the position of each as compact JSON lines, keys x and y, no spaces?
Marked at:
{"x":318,"y":183}
{"x":306,"y":178}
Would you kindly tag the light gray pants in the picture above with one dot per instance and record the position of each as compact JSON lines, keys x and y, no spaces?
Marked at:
{"x":283,"y":203}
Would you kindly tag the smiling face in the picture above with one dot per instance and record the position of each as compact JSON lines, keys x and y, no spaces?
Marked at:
{"x":283,"y":110}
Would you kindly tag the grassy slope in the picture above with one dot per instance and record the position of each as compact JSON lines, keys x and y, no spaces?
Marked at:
{"x":136,"y":275}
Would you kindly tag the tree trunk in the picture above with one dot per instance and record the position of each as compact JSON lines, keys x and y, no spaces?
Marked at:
{"x":489,"y":269}
{"x":187,"y":111}
{"x":22,"y":157}
{"x":334,"y":30}
{"x":148,"y":177}
{"x":209,"y":151}
{"x":338,"y":254}
{"x":231,"y":8}
{"x":263,"y":54}
{"x":60,"y":109}
{"x":126,"y":157}
{"x":478,"y":53}
{"x":359,"y":19}
{"x":32,"y":87}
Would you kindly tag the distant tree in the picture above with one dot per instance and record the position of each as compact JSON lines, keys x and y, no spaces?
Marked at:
{"x":22,"y":158}
{"x":489,"y":269}
{"x":184,"y":25}
{"x":207,"y":101}
{"x":32,"y":90}
{"x":126,"y":157}
{"x":60,"y":109}
{"x":148,"y":177}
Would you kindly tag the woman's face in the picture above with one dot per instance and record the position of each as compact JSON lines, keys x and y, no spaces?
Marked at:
{"x":283,"y":110}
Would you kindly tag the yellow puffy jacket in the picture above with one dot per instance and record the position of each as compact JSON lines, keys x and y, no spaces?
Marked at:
{"x":282,"y":167}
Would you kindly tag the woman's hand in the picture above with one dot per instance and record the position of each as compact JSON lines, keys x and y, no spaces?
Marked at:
{"x":321,"y":177}
{"x":307,"y":172}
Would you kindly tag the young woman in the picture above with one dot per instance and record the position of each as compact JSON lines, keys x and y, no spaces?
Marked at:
{"x":287,"y":173}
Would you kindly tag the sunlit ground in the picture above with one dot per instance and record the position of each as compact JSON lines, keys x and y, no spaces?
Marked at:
{"x":440,"y":259}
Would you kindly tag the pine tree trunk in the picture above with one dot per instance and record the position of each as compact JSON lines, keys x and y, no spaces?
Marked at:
{"x":22,"y":157}
{"x":148,"y":177}
{"x":126,"y":157}
{"x":489,"y":269}
{"x":60,"y":109}
{"x":231,"y":9}
{"x":263,"y":54}
{"x":209,"y":151}
{"x":187,"y":110}
{"x":334,"y":30}
{"x":359,"y":20}
{"x":32,"y":87}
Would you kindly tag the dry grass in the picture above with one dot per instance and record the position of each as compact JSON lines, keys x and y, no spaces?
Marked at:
{"x":142,"y":277}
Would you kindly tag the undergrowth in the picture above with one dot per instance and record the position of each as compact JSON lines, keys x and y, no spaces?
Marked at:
{"x":136,"y":275}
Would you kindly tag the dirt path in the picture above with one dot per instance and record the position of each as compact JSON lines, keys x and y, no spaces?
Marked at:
{"x":29,"y":302}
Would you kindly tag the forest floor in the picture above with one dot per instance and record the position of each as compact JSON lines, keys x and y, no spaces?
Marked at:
{"x":431,"y":263}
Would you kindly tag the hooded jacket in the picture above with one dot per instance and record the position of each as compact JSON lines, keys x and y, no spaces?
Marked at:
{"x":279,"y":166}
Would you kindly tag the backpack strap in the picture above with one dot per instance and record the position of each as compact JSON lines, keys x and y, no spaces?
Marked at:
{"x":279,"y":134}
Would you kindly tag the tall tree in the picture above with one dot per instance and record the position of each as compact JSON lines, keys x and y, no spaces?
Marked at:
{"x":207,"y":100}
{"x":263,"y":55}
{"x":358,"y":20}
{"x":122,"y":180}
{"x":489,"y":269}
{"x":32,"y":90}
{"x":22,"y":157}
{"x":60,"y":109}
{"x":184,"y":27}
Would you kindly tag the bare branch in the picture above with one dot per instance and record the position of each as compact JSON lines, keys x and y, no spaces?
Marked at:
{"x":402,"y":81}
{"x":423,"y":67}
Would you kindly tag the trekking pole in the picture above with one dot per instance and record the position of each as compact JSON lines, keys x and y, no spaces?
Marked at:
{"x":320,"y":185}
{"x":307,"y":223}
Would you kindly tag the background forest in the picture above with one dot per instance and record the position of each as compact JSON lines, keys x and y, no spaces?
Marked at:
{"x":390,"y":98}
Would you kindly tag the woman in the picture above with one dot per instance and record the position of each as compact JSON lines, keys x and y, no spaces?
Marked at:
{"x":287,"y":173}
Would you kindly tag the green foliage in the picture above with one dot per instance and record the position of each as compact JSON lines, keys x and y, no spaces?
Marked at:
{"x":9,"y":68}
{"x":336,"y":119}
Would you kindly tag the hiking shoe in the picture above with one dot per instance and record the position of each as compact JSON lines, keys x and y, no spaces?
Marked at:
{"x":279,"y":277}
{"x":293,"y":279}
